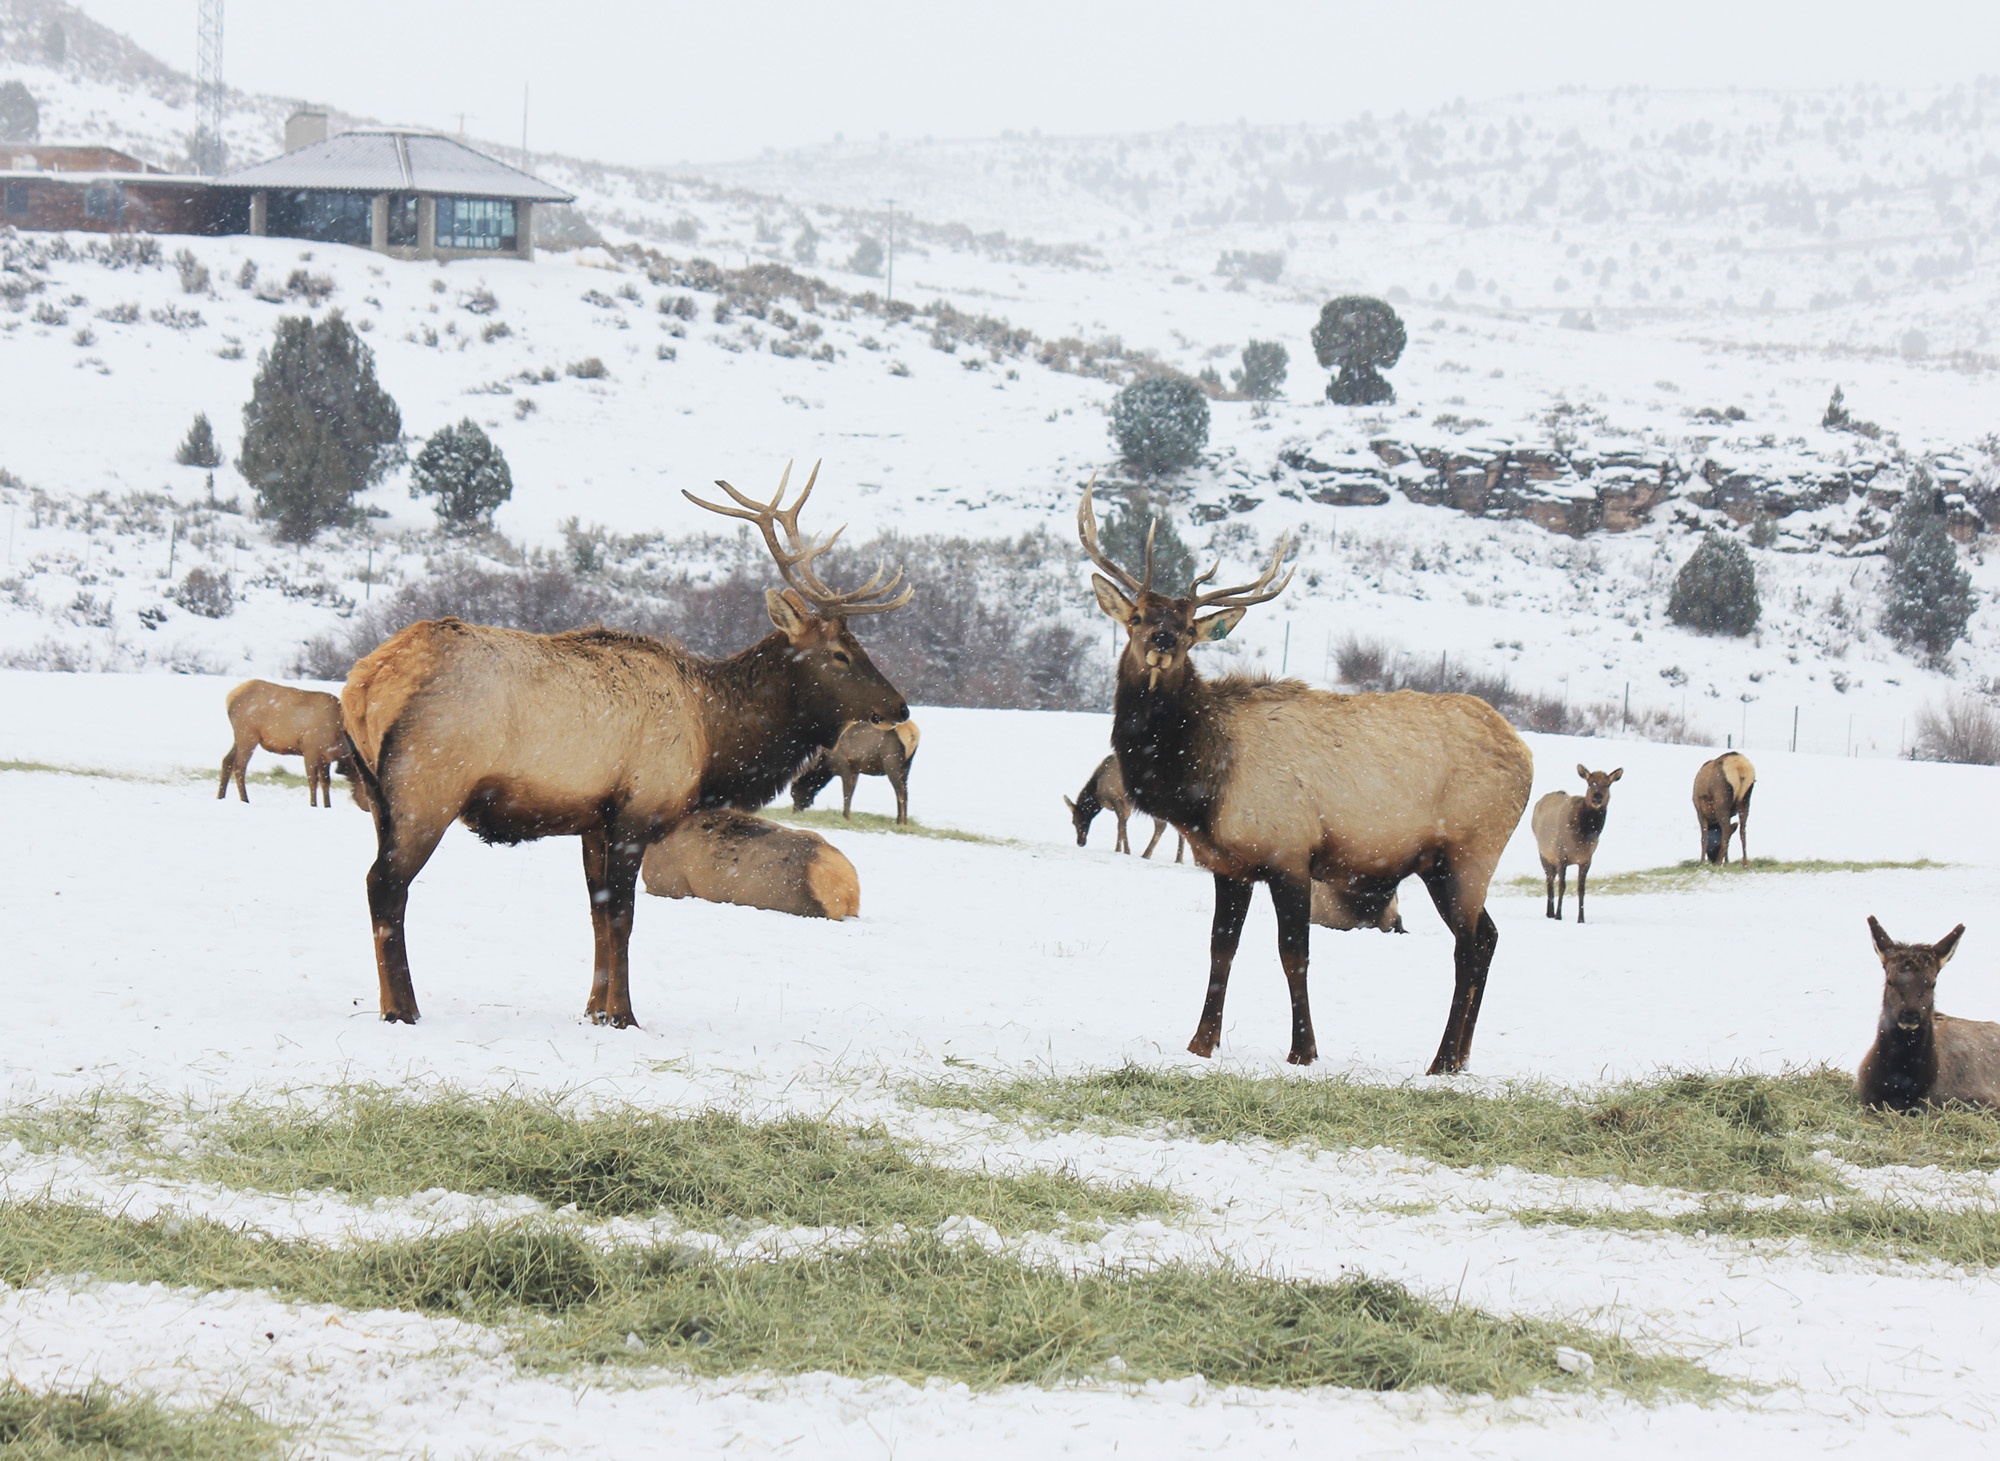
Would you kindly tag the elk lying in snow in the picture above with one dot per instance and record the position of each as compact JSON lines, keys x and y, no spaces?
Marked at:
{"x":1566,"y":832}
{"x":1919,"y":1056}
{"x":1332,"y":908}
{"x":1105,"y":792}
{"x":285,"y":722}
{"x":1722,"y":790}
{"x":862,"y":750}
{"x":612,"y":737}
{"x":727,"y":856}
{"x":1276,"y":783}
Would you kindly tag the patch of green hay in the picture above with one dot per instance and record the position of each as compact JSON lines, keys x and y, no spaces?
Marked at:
{"x":708,"y":1169}
{"x":823,"y":819}
{"x":100,"y":1424}
{"x":912,"y":1308}
{"x":1969,"y":1238}
{"x":1695,"y":874}
{"x":1702,"y":1132}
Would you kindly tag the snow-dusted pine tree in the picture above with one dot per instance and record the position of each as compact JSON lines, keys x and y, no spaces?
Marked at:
{"x":1929,"y":595}
{"x":464,"y":473}
{"x":1716,"y":590}
{"x":1160,"y":424}
{"x":198,"y":448}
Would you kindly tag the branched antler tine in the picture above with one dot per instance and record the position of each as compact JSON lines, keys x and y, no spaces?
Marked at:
{"x":848,"y":611}
{"x":1254,"y":592}
{"x":1152,"y":530}
{"x":1213,"y":569}
{"x":794,"y":555}
{"x":1086,"y":526}
{"x":751,"y":511}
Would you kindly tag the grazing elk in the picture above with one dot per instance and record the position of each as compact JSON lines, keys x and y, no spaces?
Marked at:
{"x":614,"y":738}
{"x":1566,"y":832}
{"x":1333,"y":908}
{"x":1921,"y":1057}
{"x":1278,"y":783}
{"x":862,"y":750}
{"x":1105,"y":792}
{"x":727,"y":856}
{"x":1722,"y":790}
{"x":285,"y":722}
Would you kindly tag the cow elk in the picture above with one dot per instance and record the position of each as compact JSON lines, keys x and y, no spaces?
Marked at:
{"x":727,"y":856}
{"x":1566,"y":832}
{"x":285,"y":722}
{"x":1105,"y":792}
{"x":1277,"y":783}
{"x":614,"y":738}
{"x":1921,"y":1057}
{"x":1722,"y":790}
{"x":862,"y":750}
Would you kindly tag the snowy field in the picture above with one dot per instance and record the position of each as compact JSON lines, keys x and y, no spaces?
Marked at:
{"x":162,"y":943}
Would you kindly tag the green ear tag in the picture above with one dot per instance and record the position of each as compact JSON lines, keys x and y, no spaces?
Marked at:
{"x":1221,"y":629}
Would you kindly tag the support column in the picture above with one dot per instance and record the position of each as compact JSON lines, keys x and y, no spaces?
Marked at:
{"x":524,"y":225}
{"x":260,"y":213}
{"x":427,"y":227}
{"x":378,"y":223}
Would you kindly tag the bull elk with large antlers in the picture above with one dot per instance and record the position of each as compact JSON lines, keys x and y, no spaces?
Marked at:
{"x":1277,"y":783}
{"x":611,"y":737}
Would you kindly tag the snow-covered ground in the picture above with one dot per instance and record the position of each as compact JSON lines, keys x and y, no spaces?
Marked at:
{"x":163,"y":943}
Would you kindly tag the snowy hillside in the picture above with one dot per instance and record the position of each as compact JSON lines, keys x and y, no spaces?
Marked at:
{"x":1660,"y":221}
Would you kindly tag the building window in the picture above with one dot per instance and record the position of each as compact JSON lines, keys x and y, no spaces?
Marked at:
{"x":101,"y":202}
{"x":476,"y":223}
{"x":402,"y":221}
{"x":17,"y":200}
{"x":337,"y":218}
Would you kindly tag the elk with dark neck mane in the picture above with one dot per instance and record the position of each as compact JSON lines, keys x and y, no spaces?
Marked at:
{"x":1274,"y":782}
{"x":1921,"y":1057}
{"x":614,"y":738}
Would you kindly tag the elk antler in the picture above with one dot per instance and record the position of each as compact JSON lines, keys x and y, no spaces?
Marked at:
{"x":795,"y":554}
{"x":1246,"y":594}
{"x":1086,"y":527}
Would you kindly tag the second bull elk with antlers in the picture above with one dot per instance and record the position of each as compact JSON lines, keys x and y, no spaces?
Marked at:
{"x":611,"y":737}
{"x":1277,"y":783}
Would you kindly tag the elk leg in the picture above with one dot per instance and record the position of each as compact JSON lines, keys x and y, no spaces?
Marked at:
{"x":242,"y":758}
{"x":1159,"y":831}
{"x":1475,"y":937}
{"x":1549,"y":877}
{"x":847,"y":780}
{"x":900,"y":780}
{"x":400,"y":856}
{"x":1742,"y":828}
{"x":228,"y":765}
{"x":597,"y":879}
{"x":1232,"y":903}
{"x":313,"y":773}
{"x":1582,"y":872}
{"x":1292,"y":902}
{"x":1562,"y":888}
{"x":625,"y":853}
{"x":1122,"y":844}
{"x":1180,"y":846}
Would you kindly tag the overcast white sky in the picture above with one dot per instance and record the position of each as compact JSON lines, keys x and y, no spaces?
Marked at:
{"x":653,"y":83}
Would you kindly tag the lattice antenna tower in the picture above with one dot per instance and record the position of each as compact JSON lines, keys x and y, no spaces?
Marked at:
{"x":208,"y":156}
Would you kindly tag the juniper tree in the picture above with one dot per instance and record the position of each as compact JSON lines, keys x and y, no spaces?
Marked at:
{"x":1160,"y":424}
{"x":1263,"y":371}
{"x":867,"y":257}
{"x":20,"y":115}
{"x":1122,"y":535}
{"x":464,"y":472}
{"x":1716,"y":590}
{"x":198,"y":448}
{"x":1358,"y":334}
{"x":318,"y":427}
{"x":1929,"y":595}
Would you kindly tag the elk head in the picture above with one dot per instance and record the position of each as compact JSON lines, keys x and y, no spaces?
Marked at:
{"x":1082,"y":814}
{"x":836,"y":681}
{"x":1597,"y":786}
{"x":1160,"y":630}
{"x":1910,"y":971}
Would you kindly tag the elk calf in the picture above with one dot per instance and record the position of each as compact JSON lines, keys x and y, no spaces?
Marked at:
{"x":285,"y":722}
{"x":1105,"y":792}
{"x":1566,"y":832}
{"x":732,"y":857}
{"x":1722,"y":790}
{"x":1919,"y":1056}
{"x":862,"y":750}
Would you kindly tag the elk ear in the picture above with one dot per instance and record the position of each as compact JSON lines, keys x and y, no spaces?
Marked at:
{"x":1945,"y":947}
{"x":1070,"y":804}
{"x":1581,"y":772}
{"x":1883,"y":943}
{"x":1618,"y":773}
{"x":789,"y":615}
{"x":1217,"y":626}
{"x":1111,"y":600}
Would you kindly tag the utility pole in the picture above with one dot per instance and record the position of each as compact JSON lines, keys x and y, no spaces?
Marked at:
{"x":525,"y":160}
{"x":208,"y":154}
{"x":889,"y":283}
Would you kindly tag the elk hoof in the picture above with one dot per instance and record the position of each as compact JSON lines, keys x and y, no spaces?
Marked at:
{"x":626,"y":1021}
{"x":1302,"y":1057}
{"x":1202,"y":1045}
{"x":399,"y":1017}
{"x":1441,"y":1066}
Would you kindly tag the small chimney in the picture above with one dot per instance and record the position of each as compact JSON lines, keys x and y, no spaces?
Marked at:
{"x":303,"y":128}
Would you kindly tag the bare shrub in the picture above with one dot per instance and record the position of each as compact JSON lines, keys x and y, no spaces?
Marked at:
{"x":590,"y":368}
{"x":192,"y":271}
{"x":1962,"y":729}
{"x":207,"y":594}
